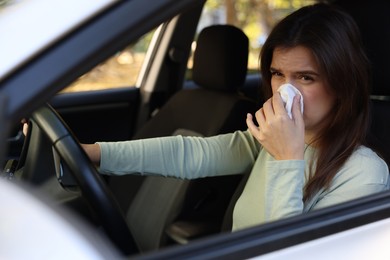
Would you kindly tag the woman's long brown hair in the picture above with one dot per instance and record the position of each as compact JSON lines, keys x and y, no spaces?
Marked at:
{"x":334,"y":39}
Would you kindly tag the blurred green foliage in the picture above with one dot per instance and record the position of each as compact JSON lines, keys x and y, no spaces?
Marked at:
{"x":255,"y":17}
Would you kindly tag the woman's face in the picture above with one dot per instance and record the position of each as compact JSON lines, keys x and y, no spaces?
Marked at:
{"x":298,"y":66}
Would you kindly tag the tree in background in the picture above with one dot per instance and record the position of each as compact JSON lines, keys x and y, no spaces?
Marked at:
{"x":255,"y":17}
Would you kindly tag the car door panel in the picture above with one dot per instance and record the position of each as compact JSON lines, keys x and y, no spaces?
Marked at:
{"x":104,"y":115}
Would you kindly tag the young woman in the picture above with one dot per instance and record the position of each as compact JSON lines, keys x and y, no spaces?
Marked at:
{"x":310,"y":161}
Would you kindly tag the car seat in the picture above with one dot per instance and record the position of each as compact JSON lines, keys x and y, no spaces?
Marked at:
{"x":373,"y":20}
{"x":186,"y":209}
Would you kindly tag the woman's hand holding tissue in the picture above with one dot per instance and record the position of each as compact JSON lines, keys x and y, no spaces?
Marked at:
{"x":283,"y":137}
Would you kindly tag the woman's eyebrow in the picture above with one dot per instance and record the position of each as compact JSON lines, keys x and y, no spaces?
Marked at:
{"x":309,"y":72}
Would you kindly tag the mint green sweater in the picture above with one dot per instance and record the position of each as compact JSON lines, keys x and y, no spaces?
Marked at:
{"x":274,"y":188}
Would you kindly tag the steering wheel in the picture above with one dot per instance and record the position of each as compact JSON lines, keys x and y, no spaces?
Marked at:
{"x":93,"y":188}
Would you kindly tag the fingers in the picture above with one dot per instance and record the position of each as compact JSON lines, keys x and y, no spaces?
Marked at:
{"x":278,"y":105}
{"x":25,"y":126}
{"x":296,"y":108}
{"x":273,"y":108}
{"x":25,"y":129}
{"x":268,"y":113}
{"x":251,"y":125}
{"x":282,"y":137}
{"x":268,"y":109}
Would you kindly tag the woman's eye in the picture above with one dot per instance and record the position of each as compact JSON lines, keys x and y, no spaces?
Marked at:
{"x":306,"y":78}
{"x":276,"y":73}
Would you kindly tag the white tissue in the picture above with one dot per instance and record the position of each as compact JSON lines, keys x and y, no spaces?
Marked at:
{"x":288,"y":92}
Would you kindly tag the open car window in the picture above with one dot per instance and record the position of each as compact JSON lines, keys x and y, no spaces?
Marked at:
{"x":120,"y":70}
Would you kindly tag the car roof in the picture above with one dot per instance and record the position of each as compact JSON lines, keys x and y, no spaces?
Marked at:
{"x":30,"y":26}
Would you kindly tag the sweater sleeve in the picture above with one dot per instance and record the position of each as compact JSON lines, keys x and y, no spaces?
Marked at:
{"x":283,"y":196}
{"x":181,"y":157}
{"x":273,"y":191}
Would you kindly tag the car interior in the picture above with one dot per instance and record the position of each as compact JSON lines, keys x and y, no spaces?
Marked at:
{"x":157,"y":212}
{"x":214,"y":102}
{"x":210,"y":108}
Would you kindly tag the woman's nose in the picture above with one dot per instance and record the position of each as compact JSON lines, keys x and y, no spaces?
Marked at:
{"x":293,"y":82}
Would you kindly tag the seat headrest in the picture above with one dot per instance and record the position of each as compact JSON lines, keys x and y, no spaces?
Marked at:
{"x":221,"y":58}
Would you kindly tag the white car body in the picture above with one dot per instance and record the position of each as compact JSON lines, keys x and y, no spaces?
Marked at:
{"x":42,"y":22}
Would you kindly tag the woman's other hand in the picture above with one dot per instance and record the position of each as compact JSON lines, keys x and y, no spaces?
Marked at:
{"x":93,"y":152}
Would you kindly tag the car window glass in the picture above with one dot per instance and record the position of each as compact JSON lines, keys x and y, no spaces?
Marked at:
{"x":255,"y":17}
{"x":120,"y":70}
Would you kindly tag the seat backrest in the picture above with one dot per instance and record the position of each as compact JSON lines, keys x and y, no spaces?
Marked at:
{"x":380,"y":126}
{"x":374,"y":23}
{"x":214,"y":107}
